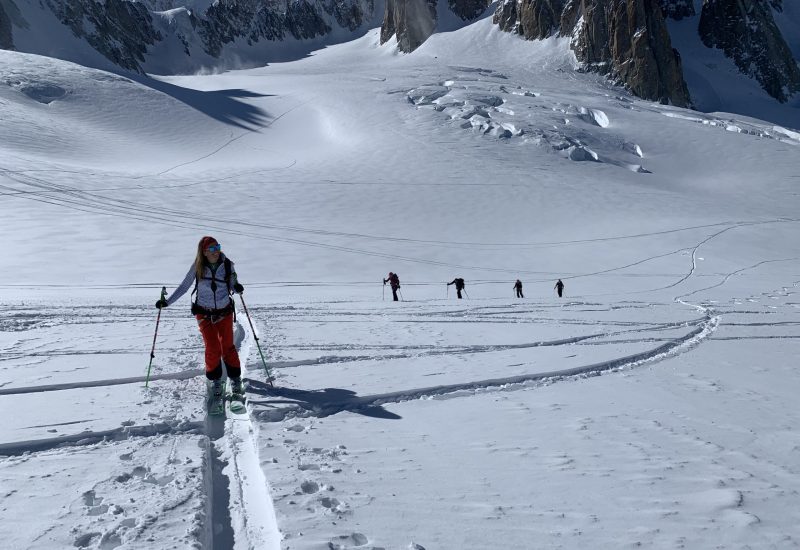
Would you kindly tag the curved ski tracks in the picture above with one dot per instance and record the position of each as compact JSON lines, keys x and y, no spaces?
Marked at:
{"x":702,"y":330}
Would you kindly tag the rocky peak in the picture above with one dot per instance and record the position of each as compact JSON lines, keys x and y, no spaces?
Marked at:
{"x":414,"y":21}
{"x":626,"y":39}
{"x":746,"y":31}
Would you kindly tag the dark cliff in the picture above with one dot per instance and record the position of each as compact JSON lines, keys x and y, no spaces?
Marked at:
{"x":414,"y":21}
{"x":625,"y":39}
{"x":746,"y":31}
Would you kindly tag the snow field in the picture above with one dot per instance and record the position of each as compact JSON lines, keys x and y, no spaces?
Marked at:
{"x":105,"y":495}
{"x":512,"y":459}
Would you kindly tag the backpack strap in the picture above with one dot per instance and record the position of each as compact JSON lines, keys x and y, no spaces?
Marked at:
{"x":228,"y":268}
{"x":228,"y":273}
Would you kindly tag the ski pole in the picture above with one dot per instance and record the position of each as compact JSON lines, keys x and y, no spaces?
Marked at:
{"x":401,"y":295}
{"x":383,"y":294}
{"x":153,"y":349}
{"x":448,"y":291}
{"x":465,"y":294}
{"x":253,"y":330}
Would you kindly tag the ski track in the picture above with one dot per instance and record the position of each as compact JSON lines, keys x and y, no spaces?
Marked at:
{"x":661,"y":352}
{"x":91,"y":202}
{"x":91,"y":438}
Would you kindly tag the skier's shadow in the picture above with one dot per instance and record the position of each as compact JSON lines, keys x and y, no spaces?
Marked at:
{"x":322,"y":403}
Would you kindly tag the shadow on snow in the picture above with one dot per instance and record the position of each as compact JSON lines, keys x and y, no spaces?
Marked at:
{"x":324,"y":402}
{"x":223,"y":105}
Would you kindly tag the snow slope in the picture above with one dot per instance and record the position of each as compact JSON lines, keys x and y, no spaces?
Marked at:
{"x":652,"y":406}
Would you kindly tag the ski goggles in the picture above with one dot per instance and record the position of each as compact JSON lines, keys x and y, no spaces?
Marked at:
{"x":214,"y":248}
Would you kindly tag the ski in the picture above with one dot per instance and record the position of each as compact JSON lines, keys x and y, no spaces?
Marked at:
{"x":237,"y":402}
{"x":216,"y":405}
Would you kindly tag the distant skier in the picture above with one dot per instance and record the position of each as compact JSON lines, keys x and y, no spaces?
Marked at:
{"x":518,"y":288}
{"x":559,"y":287}
{"x":459,"y":282}
{"x":215,"y":281}
{"x":394,"y":281}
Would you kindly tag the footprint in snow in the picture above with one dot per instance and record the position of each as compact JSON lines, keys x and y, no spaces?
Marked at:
{"x":296,"y":428}
{"x":354,"y":539}
{"x":330,"y":503}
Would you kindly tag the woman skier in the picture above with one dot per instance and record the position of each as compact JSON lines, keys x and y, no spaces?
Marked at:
{"x":215,"y":281}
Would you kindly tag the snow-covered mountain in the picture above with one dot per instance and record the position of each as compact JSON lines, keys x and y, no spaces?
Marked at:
{"x":641,"y":44}
{"x":166,"y":37}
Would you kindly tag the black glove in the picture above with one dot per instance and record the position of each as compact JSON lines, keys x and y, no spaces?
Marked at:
{"x":161,"y":303}
{"x":237,"y":288}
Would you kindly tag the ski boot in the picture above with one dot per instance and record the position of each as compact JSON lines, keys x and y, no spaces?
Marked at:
{"x":216,"y":399}
{"x":237,"y":398}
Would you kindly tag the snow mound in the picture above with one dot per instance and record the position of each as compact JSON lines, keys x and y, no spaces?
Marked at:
{"x":786,"y":133}
{"x":633,"y":149}
{"x":748,"y":126}
{"x":426,"y":95}
{"x":582,"y":154}
{"x":594,"y":116}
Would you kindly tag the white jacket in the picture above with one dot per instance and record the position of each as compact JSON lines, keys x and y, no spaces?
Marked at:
{"x":207,"y":297}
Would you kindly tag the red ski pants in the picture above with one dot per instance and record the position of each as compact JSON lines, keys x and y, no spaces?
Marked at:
{"x":218,"y":338}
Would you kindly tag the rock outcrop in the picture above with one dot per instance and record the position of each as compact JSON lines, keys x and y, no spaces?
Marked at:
{"x":6,"y":39}
{"x":626,"y":39}
{"x":127,"y":31}
{"x":468,"y":10}
{"x":256,"y":21}
{"x":411,"y":21}
{"x":414,"y":21}
{"x":10,"y":17}
{"x":224,"y":22}
{"x":118,"y":29}
{"x":533,"y":19}
{"x":746,"y":31}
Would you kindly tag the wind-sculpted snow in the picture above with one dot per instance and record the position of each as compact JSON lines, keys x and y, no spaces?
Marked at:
{"x":748,"y":127}
{"x":493,"y":107}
